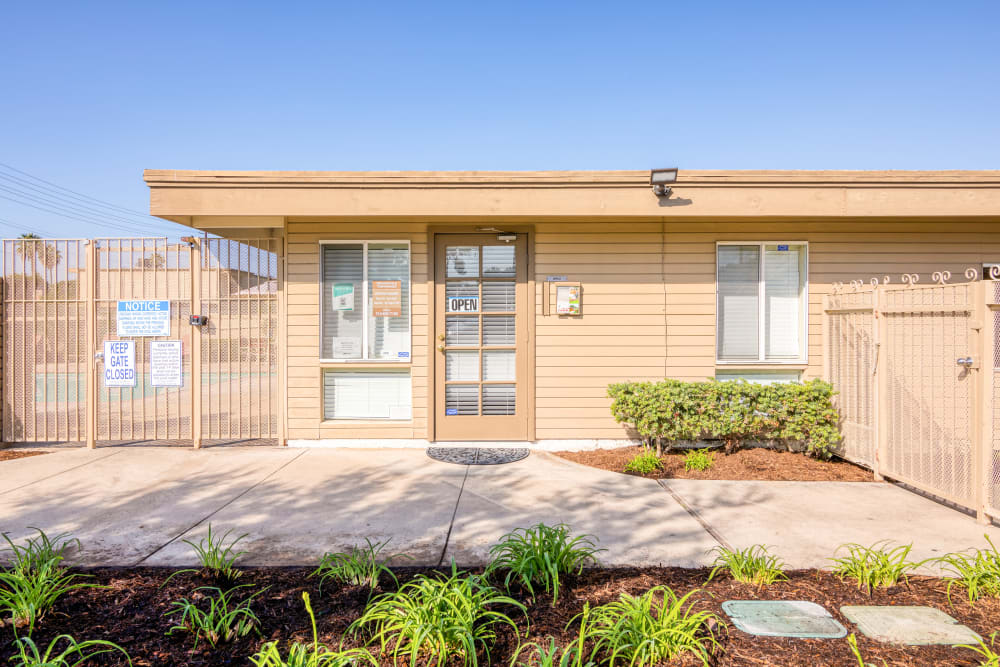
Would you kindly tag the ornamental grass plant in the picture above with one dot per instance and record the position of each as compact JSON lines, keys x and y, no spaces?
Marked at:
{"x":72,"y":653}
{"x":875,"y":566}
{"x":643,"y":464}
{"x":215,"y":615}
{"x":753,"y":565}
{"x":977,"y":572}
{"x":361,"y":566}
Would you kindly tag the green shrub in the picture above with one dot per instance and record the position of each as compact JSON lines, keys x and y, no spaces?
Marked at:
{"x":733,"y":411}
{"x":753,"y":565}
{"x":359,"y":567}
{"x":539,"y":555}
{"x":644,"y":463}
{"x":437,"y":619}
{"x":28,"y":654}
{"x":316,"y":655}
{"x":978,"y":573}
{"x":223,"y":621}
{"x":698,"y":459}
{"x":876,"y":566}
{"x":649,"y":629}
{"x":36,"y":579}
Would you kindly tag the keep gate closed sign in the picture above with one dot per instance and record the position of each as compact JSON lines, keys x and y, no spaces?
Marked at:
{"x":119,"y":363}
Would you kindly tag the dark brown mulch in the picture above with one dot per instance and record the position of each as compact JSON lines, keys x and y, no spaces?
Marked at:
{"x":131,"y":610}
{"x":11,"y":454}
{"x":757,"y":463}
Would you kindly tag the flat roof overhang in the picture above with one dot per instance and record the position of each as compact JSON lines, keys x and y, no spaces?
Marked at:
{"x":263,"y":199}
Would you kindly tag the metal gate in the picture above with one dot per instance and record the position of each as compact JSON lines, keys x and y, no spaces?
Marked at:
{"x":59,"y":307}
{"x":917,"y":371}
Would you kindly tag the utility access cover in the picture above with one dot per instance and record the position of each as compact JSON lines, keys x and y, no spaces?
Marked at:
{"x":914,"y":626}
{"x":477,"y":456}
{"x":785,"y":618}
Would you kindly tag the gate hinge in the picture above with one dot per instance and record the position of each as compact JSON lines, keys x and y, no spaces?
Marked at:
{"x":975,"y":325}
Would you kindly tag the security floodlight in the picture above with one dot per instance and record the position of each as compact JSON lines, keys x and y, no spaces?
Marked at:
{"x":659,"y":179}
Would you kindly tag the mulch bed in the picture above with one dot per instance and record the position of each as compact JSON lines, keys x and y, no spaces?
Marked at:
{"x":130,"y":612}
{"x":757,"y":463}
{"x":11,"y":454}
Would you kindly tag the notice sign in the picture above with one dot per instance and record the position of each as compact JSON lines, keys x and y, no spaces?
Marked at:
{"x":343,"y":296}
{"x":165,"y":363}
{"x":567,"y":300}
{"x":463,"y":304}
{"x":387,"y":298}
{"x":119,"y":363}
{"x":143,"y":318}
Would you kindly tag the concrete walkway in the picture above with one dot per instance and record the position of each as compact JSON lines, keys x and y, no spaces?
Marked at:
{"x":134,"y":506}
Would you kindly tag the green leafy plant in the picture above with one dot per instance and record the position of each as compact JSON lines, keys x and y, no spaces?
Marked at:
{"x":876,"y":566}
{"x":437,"y":619}
{"x":753,"y":565}
{"x":74,"y":653}
{"x":852,"y":641}
{"x":358,"y":567}
{"x":644,"y":463}
{"x":306,"y":655}
{"x":216,"y":556}
{"x":988,"y":657}
{"x":978,"y":573}
{"x":36,"y":579}
{"x":797,"y":414}
{"x":698,"y":459}
{"x":540,"y":555}
{"x":224,"y":620}
{"x":552,"y":655}
{"x":649,"y":629}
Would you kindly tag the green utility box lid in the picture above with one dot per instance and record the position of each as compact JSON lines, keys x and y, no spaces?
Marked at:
{"x":915,"y":626}
{"x":783,"y":618}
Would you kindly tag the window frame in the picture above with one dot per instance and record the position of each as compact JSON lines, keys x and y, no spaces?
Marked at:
{"x":364,"y":296}
{"x":368,"y":372}
{"x":761,"y":305}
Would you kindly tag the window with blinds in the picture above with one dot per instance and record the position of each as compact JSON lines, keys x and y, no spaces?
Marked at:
{"x":379,"y":394}
{"x":366,"y":301}
{"x":761,"y":306}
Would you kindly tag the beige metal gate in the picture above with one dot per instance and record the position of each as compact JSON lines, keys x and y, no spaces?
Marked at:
{"x":918,"y":375}
{"x":59,"y":307}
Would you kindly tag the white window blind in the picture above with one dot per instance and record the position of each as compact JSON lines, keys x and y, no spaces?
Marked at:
{"x":367,"y":395}
{"x":351,"y":327}
{"x":761,"y":309}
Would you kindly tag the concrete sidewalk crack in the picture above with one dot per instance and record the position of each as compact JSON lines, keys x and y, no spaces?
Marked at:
{"x":454,"y":513}
{"x":716,"y":535}
{"x":56,"y":474}
{"x":220,"y":508}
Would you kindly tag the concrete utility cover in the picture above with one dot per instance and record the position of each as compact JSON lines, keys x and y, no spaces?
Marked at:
{"x":477,"y":456}
{"x":914,"y":626}
{"x":792,"y":618}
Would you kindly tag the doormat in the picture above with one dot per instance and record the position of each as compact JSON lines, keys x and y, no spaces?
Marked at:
{"x":477,"y":456}
{"x":785,"y":618}
{"x":914,"y":626}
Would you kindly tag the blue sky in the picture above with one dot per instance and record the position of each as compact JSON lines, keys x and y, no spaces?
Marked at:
{"x":93,"y":93}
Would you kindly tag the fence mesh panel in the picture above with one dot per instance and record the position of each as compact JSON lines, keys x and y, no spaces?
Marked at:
{"x":991,"y":465}
{"x":850,"y":351}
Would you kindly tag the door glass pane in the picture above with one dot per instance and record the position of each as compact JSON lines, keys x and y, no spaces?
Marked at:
{"x":498,"y":261}
{"x":461,"y":399}
{"x":498,"y":330}
{"x":462,"y":261}
{"x":461,"y":365}
{"x":498,"y":399}
{"x":498,"y":364}
{"x":783,"y":281}
{"x":739,"y":267}
{"x":343,"y":305}
{"x":462,"y":296}
{"x":460,"y":330}
{"x":498,"y":296}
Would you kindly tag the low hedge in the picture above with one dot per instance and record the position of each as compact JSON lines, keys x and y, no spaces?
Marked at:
{"x":794,"y":414}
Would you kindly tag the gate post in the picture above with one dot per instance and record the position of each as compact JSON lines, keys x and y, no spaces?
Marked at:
{"x":90,"y":285}
{"x":881,"y":383}
{"x":196,"y":343}
{"x":981,"y":426}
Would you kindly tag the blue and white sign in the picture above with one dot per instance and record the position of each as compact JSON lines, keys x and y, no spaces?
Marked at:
{"x":143,"y":318}
{"x":451,"y":411}
{"x":119,"y":363}
{"x":165,"y":363}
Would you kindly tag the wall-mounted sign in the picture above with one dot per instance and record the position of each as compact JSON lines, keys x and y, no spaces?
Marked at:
{"x":555,"y":279}
{"x":451,"y":412}
{"x":567,"y":299}
{"x":165,"y":363}
{"x":343,"y":296}
{"x":387,"y":298}
{"x":463,"y":304}
{"x":783,"y":248}
{"x":143,"y":318}
{"x":119,"y":363}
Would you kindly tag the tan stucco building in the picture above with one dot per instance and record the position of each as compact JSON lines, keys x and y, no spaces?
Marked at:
{"x":498,"y":306}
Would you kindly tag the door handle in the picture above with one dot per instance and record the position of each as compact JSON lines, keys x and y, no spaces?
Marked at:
{"x":966,"y":362}
{"x":440,"y":348}
{"x":440,"y":336}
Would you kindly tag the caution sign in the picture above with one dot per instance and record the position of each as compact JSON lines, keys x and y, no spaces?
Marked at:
{"x":119,"y":363}
{"x":165,"y":363}
{"x":387,"y":298}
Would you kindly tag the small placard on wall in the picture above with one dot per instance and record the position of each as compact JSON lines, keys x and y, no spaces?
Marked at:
{"x":165,"y":363}
{"x":568,"y":300}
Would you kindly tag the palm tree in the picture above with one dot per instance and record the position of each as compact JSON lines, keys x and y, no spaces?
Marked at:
{"x":31,"y":248}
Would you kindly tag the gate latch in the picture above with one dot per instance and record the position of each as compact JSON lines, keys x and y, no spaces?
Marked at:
{"x":964,"y":361}
{"x":198,"y":320}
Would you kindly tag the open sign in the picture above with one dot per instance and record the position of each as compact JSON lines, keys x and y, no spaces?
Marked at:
{"x":463,"y":304}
